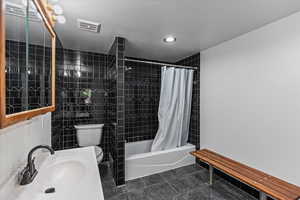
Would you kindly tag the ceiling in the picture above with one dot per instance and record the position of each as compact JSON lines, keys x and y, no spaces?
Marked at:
{"x":197,"y":24}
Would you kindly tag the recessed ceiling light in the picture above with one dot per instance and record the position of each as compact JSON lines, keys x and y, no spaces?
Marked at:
{"x":170,"y":39}
{"x":58,"y":10}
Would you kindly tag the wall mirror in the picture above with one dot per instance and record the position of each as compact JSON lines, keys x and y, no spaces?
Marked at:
{"x":27,"y":60}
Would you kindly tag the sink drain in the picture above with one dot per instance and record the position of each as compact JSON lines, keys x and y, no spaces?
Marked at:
{"x":50,"y":190}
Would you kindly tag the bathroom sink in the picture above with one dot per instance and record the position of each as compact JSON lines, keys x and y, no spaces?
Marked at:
{"x":69,"y":174}
{"x":63,"y":173}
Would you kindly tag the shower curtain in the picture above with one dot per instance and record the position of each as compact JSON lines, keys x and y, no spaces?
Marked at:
{"x":174,"y":108}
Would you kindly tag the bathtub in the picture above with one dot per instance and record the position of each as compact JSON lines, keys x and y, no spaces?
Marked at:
{"x":140,"y":162}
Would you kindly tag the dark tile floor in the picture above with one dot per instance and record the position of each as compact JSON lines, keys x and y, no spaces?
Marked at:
{"x":186,"y":183}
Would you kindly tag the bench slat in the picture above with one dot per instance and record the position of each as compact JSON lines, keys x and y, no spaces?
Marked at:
{"x":287,"y":192}
{"x":270,"y":185}
{"x":237,"y":164}
{"x":284,"y":184}
{"x":245,"y":171}
{"x":244,"y":179}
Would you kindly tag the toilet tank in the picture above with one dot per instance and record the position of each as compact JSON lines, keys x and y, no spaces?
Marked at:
{"x":89,"y":135}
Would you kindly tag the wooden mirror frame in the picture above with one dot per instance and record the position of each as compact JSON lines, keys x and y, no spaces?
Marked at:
{"x":7,"y":120}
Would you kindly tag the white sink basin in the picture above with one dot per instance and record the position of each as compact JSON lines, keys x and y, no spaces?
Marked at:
{"x":62,"y":174}
{"x":73,"y":173}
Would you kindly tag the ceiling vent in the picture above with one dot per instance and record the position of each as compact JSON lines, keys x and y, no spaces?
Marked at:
{"x":20,"y":11}
{"x":14,"y":9}
{"x":89,"y":26}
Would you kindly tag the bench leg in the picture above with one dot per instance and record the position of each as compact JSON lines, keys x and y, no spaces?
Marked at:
{"x":262,"y":196}
{"x":211,"y":171}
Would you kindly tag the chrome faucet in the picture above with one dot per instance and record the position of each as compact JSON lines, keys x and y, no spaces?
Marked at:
{"x":28,"y":174}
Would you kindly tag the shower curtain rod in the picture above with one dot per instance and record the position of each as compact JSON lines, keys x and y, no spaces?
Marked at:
{"x":159,"y":63}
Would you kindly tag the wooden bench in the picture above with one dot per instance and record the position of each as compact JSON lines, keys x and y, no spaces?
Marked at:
{"x":266,"y":184}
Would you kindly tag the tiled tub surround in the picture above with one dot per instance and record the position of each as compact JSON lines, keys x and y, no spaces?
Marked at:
{"x":185,"y":183}
{"x":142,"y":91}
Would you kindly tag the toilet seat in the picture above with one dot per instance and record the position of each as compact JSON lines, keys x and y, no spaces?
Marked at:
{"x":99,"y":154}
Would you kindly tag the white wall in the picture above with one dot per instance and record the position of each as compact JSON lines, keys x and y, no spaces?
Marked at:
{"x":250,"y":99}
{"x":17,"y":140}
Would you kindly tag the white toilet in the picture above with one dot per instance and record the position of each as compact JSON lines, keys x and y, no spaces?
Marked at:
{"x":90,"y":135}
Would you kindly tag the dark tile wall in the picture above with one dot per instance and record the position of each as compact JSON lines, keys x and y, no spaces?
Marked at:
{"x":103,"y":75}
{"x":111,"y":106}
{"x":28,"y":87}
{"x":120,"y":131}
{"x":111,"y":88}
{"x":79,"y":72}
{"x":194,"y":136}
{"x":142,"y":92}
{"x":116,"y":108}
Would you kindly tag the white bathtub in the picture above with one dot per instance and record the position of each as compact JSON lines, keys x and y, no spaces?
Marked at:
{"x":140,"y":162}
